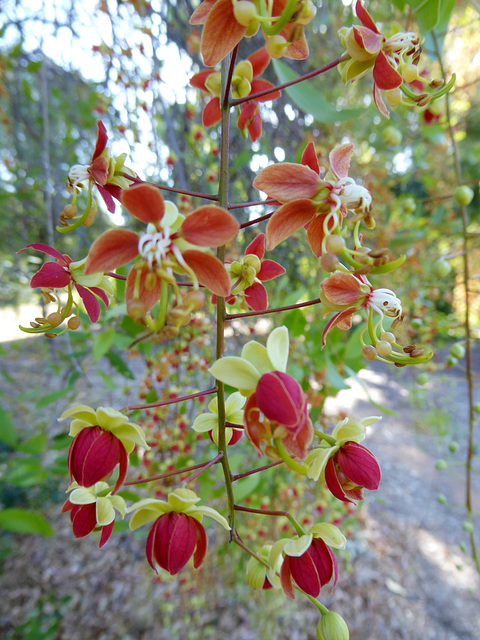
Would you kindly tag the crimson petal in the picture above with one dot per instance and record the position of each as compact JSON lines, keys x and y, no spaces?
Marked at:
{"x":279,"y":397}
{"x":91,"y":303}
{"x":51,"y":275}
{"x":84,"y":519}
{"x":101,"y":141}
{"x":45,"y":248}
{"x":182,"y":544}
{"x":256,"y":297}
{"x":305,"y":574}
{"x":359,"y":465}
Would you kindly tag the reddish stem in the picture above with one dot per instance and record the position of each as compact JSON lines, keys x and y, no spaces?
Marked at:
{"x":261,"y":219}
{"x":307,"y":76}
{"x":115,"y":275}
{"x":229,"y":77}
{"x":163,"y":403}
{"x":168,"y":474}
{"x":232,"y":316}
{"x":243,"y":205}
{"x":238,"y":476}
{"x":263,"y":512}
{"x":206,"y":466}
{"x":194,"y":194}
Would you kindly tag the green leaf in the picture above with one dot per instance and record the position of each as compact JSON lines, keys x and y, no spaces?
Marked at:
{"x":36,"y":444}
{"x":26,"y":472}
{"x":53,"y":397}
{"x":109,"y":383}
{"x":427,"y":13}
{"x":118,"y":364}
{"x":311,"y":101}
{"x":245,"y":487}
{"x":24,"y":521}
{"x":7,"y":428}
{"x":102,"y":342}
{"x":334,"y":378}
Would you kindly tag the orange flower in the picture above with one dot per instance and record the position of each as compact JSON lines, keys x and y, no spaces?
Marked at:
{"x":165,"y":248}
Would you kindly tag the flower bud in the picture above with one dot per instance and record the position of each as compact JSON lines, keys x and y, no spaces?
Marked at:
{"x":335,"y":244}
{"x":464,"y":195}
{"x":329,"y":262}
{"x":194,"y":299}
{"x":244,"y":12}
{"x":369,"y":352}
{"x":276,"y":46}
{"x":384,"y":348}
{"x":332,"y":627}
{"x":441,"y":268}
{"x":457,"y":350}
{"x":73,"y":323}
{"x":55,"y":319}
{"x":392,"y":136}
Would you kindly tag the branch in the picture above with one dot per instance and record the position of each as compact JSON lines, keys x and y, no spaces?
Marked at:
{"x":164,"y":403}
{"x":309,"y":303}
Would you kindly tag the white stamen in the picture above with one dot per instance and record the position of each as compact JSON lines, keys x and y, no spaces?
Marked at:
{"x":78,"y":174}
{"x":353,"y":195}
{"x":155,"y":247}
{"x":384,"y":301}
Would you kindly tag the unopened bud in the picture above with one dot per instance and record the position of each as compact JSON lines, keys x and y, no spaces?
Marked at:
{"x":441,"y":268}
{"x":335,"y":244}
{"x":276,"y":46}
{"x":329,"y":262}
{"x":69,"y":211}
{"x":384,"y":348}
{"x":73,"y":323}
{"x":332,"y":627}
{"x":194,"y":299}
{"x":244,"y":12}
{"x":369,"y":352}
{"x":387,"y":336}
{"x":54,"y":319}
{"x":464,"y":195}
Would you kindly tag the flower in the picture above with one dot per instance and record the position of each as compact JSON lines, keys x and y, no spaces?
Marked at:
{"x":245,"y":81}
{"x":276,"y":408}
{"x":260,"y":576}
{"x":308,"y":560}
{"x":346,"y":293}
{"x":104,"y":171}
{"x":393,"y":60}
{"x":308,"y":200}
{"x":66,"y":273}
{"x":351,"y":469}
{"x":92,"y":508}
{"x":164,"y":248}
{"x":248,"y":274}
{"x":233,"y":414}
{"x":346,"y":466}
{"x":226,"y":22}
{"x":177,"y":532}
{"x":101,"y":440}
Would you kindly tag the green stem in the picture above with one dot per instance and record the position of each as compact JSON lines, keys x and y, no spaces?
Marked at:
{"x":221,"y":312}
{"x":290,"y":462}
{"x":264,"y":512}
{"x":468,"y":336}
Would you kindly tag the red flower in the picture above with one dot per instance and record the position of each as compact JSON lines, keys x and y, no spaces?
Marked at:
{"x":308,"y":561}
{"x":162,"y":251}
{"x":84,"y":521}
{"x":278,"y":409}
{"x":94,"y":454}
{"x":66,"y":273}
{"x":249,"y":273}
{"x":245,"y":82}
{"x":173,"y":539}
{"x":352,"y":468}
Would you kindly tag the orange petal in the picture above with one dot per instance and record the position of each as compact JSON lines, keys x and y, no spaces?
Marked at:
{"x":260,"y":61}
{"x":364,"y":17}
{"x":139,"y":299}
{"x":384,"y":74}
{"x":260,"y":85}
{"x":221,"y":33}
{"x":111,"y":250}
{"x":144,"y":202}
{"x":342,"y":288}
{"x":201,"y":12}
{"x":209,"y":226}
{"x":297,"y":50}
{"x":198,"y":80}
{"x":379,"y":103}
{"x":288,"y":219}
{"x":212,"y":113}
{"x":288,"y":181}
{"x":209,"y":271}
{"x":309,"y":158}
{"x":340,"y":157}
{"x":316,"y":233}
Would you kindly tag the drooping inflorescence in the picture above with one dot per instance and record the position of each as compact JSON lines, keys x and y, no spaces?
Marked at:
{"x":170,"y":268}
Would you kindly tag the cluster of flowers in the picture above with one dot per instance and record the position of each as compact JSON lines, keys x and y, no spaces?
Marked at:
{"x":171,"y":261}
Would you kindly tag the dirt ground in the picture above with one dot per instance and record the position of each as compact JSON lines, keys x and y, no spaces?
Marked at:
{"x":409,"y":578}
